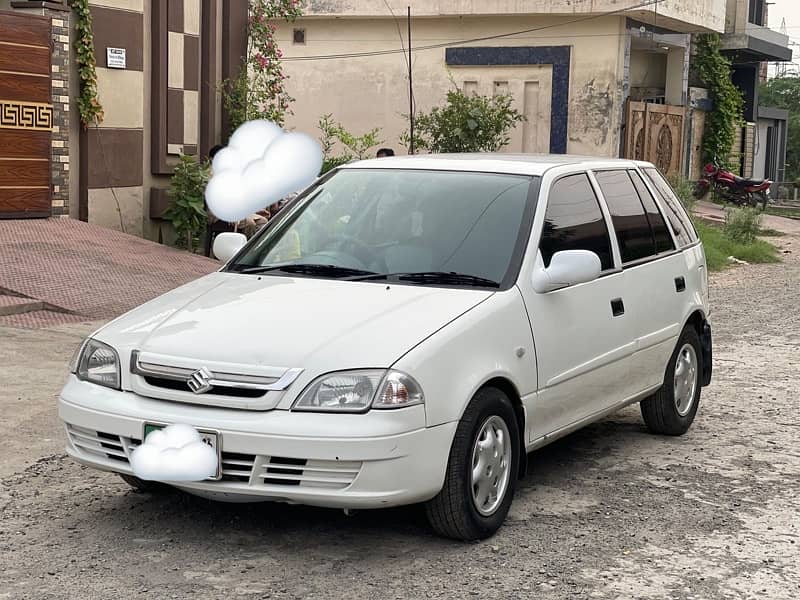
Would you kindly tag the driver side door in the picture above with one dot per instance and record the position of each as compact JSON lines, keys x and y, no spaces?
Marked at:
{"x":584,"y":339}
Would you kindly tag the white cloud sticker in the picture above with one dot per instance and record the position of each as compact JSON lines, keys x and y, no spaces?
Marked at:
{"x":261,"y":165}
{"x":175,"y":453}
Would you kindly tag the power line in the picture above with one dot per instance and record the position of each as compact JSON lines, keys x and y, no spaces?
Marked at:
{"x":644,"y":4}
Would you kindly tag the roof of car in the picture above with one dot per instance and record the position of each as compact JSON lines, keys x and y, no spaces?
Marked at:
{"x":520,"y":164}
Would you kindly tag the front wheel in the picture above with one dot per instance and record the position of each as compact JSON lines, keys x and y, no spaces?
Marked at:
{"x":481,"y":470}
{"x":671,"y":410}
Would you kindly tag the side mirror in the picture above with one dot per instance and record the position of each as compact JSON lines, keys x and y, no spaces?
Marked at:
{"x":567,"y":268}
{"x":227,"y":244}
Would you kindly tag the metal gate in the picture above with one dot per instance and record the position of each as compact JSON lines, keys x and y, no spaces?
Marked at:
{"x":26,"y":115}
{"x":655,"y":134}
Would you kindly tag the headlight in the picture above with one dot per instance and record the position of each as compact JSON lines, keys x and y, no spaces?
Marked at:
{"x":97,"y":362}
{"x":358,"y":391}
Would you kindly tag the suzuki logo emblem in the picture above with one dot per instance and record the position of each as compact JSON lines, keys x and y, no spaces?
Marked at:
{"x":200,"y":381}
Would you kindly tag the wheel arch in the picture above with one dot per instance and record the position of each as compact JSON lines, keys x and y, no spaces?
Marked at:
{"x":697,"y":320}
{"x":506,"y":386}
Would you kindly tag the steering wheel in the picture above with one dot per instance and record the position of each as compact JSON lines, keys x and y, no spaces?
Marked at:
{"x":355,"y":247}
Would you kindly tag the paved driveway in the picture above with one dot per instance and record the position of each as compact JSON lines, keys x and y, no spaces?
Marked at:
{"x":82,"y":271}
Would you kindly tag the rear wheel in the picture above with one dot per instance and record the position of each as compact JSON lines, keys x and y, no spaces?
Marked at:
{"x":481,"y":471}
{"x":701,"y":188}
{"x":671,"y":410}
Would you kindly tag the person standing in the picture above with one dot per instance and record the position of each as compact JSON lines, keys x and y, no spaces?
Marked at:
{"x":250,"y":225}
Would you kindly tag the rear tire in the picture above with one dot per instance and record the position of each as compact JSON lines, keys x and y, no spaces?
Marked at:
{"x":481,"y":471}
{"x":671,"y":410}
{"x":700,"y":190}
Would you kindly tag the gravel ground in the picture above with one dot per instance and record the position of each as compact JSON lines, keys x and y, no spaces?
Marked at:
{"x":608,"y":512}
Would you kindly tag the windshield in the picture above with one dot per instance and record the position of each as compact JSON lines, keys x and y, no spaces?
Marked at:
{"x":422,"y":227}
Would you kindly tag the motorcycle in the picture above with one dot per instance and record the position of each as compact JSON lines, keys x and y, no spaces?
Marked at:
{"x":731,"y":188}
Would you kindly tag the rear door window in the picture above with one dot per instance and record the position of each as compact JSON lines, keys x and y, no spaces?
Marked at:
{"x":634,"y":235}
{"x":573,"y":221}
{"x":661,"y":233}
{"x":681,"y":224}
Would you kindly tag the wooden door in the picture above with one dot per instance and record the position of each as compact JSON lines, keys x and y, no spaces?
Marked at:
{"x":655,"y":134}
{"x":26,"y":115}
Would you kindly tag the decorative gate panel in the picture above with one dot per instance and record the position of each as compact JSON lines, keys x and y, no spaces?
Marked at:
{"x":26,"y":115}
{"x":655,"y":134}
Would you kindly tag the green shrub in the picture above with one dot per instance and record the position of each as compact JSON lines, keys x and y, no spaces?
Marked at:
{"x":684,"y":189}
{"x":465,"y":123}
{"x":354,"y":146}
{"x":187,"y":209}
{"x":742,"y":225}
{"x":718,"y":248}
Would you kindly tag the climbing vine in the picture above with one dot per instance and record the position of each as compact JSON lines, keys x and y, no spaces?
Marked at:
{"x":714,"y":71}
{"x":89,"y":107}
{"x":259,"y":91}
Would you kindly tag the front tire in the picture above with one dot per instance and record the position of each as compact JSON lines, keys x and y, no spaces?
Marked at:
{"x":671,"y":410}
{"x":140,"y":485}
{"x":481,"y":471}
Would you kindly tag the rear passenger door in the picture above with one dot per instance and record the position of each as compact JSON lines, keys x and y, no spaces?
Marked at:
{"x":583,"y":334}
{"x":654,"y":273}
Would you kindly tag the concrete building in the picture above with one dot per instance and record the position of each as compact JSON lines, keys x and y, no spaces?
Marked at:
{"x":749,"y":44}
{"x":596,"y":77}
{"x":571,"y":72}
{"x":158,"y":67}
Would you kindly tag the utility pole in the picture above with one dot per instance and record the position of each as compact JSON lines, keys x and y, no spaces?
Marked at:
{"x":410,"y":88}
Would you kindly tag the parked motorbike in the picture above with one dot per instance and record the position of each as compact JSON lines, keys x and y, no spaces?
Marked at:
{"x":731,"y":188}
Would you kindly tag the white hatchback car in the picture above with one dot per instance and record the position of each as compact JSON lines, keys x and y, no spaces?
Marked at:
{"x":407,"y":330}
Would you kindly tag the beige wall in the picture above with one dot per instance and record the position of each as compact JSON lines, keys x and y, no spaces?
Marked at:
{"x":648,"y":69}
{"x":684,"y":15}
{"x":373,"y":92}
{"x":736,"y":16}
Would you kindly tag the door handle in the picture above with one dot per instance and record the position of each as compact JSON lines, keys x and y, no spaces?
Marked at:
{"x":617,"y":307}
{"x":680,"y":284}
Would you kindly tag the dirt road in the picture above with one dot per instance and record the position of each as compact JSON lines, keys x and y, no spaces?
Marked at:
{"x":609,"y":512}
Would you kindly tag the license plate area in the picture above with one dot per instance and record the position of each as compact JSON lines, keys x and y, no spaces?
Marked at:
{"x":209,"y":436}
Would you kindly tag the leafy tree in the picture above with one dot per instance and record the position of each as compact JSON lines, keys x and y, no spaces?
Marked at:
{"x":784,"y":92}
{"x":466,"y":123}
{"x":721,"y":123}
{"x":355,"y":146}
{"x":259,"y":91}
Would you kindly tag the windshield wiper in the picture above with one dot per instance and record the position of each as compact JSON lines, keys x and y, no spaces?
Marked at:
{"x":309,"y":269}
{"x":434,"y":277}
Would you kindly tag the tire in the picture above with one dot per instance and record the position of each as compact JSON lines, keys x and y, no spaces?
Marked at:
{"x":454,"y":512}
{"x":140,"y":485}
{"x":671,"y":410}
{"x":701,"y":190}
{"x":761,"y":199}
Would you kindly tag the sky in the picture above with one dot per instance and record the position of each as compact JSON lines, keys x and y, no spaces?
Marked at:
{"x":789,"y":10}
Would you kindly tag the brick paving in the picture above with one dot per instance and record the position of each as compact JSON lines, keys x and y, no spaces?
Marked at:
{"x":86,"y":272}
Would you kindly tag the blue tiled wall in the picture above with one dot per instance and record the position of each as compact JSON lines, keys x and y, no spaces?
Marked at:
{"x":557,"y":56}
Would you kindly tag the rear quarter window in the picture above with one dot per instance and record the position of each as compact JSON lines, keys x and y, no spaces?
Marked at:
{"x":676,"y":214}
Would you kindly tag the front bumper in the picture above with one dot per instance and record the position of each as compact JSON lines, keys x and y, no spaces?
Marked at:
{"x":379,"y":459}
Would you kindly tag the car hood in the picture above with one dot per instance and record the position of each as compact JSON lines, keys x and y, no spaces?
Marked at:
{"x":319,"y":325}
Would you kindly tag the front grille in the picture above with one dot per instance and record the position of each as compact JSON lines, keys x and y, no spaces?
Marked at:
{"x":181,"y":386}
{"x":328,"y":474}
{"x":249,"y":469}
{"x":104,"y":445}
{"x":210,"y":383}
